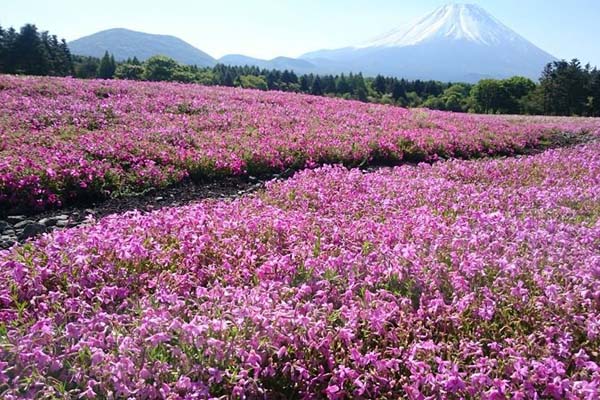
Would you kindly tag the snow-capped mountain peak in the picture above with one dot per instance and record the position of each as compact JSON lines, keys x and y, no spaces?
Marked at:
{"x":456,"y":42}
{"x":454,"y":21}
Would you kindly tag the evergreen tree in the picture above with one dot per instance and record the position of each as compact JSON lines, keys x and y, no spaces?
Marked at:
{"x":286,"y":77}
{"x":418,"y":87}
{"x":49,"y":53}
{"x":342,"y":85}
{"x":66,"y":58}
{"x":30,"y":56}
{"x":398,"y":91}
{"x":564,"y":87}
{"x":317,"y":87}
{"x":304,"y":84}
{"x":379,"y":84}
{"x":107,"y":67}
{"x":293,"y":78}
{"x":228,"y":78}
{"x":271,"y":79}
{"x":329,"y":84}
{"x":360,"y":88}
{"x":31,"y":52}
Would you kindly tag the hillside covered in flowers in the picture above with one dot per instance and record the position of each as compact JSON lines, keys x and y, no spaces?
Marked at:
{"x":65,"y":140}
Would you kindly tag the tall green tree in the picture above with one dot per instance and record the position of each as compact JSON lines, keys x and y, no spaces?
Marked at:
{"x":398,"y":91}
{"x":317,"y":86}
{"x":107,"y":67}
{"x":228,"y":78}
{"x":304,"y":84}
{"x":360,"y":88}
{"x":342,"y":85}
{"x":564,"y":87}
{"x":379,"y":84}
{"x":329,"y":84}
{"x":66,"y":58}
{"x":29,"y":52}
{"x":32,"y":52}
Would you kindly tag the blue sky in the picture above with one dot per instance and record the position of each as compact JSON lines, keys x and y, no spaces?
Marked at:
{"x":269,"y":28}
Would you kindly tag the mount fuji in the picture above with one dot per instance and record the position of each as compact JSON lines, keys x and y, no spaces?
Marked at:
{"x":456,"y":42}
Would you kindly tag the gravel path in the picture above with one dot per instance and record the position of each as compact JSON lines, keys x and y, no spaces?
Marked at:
{"x":17,"y":228}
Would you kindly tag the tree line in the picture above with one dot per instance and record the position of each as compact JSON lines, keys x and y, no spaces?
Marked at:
{"x":564,"y":88}
{"x":29,"y":51}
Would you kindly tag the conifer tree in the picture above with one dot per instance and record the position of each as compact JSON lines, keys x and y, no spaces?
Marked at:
{"x":360,"y":89}
{"x":304,"y":84}
{"x":342,"y":85}
{"x":317,"y":87}
{"x":29,"y":52}
{"x":398,"y":90}
{"x":106,"y":69}
{"x":379,"y":84}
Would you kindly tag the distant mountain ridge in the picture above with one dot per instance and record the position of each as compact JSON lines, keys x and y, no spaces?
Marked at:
{"x":125,"y":43}
{"x":280,"y":63}
{"x":456,"y":42}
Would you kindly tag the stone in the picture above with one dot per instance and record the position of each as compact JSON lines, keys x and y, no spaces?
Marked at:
{"x":32,"y":230}
{"x":47,"y":222}
{"x":5,"y":244}
{"x":4,"y":226}
{"x":15,"y":218}
{"x":62,"y":217}
{"x":23,"y":224}
{"x":62,"y":223}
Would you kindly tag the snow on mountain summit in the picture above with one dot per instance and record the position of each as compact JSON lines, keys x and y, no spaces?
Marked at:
{"x":450,"y":22}
{"x":456,"y":42}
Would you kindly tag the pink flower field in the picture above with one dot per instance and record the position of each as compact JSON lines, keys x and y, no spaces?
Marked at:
{"x":64,"y":140}
{"x":460,"y":279}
